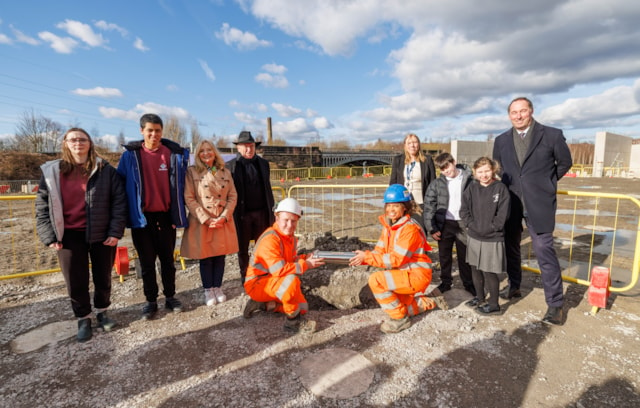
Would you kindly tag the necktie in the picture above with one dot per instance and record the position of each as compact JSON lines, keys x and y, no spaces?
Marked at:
{"x":522,"y":135}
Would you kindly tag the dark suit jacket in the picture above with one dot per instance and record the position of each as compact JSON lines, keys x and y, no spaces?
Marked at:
{"x":534,"y":184}
{"x":427,"y":169}
{"x":238,"y":180}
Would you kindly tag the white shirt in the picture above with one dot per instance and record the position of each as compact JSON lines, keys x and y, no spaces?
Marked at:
{"x":413,"y":180}
{"x":454,"y":185}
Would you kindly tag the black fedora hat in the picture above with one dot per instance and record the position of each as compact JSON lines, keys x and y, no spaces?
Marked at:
{"x":245,"y":137}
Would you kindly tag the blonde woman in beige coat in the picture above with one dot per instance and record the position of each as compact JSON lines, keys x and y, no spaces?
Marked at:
{"x":210,"y":195}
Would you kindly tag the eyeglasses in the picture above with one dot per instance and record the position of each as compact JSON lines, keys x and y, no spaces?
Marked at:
{"x":79,"y":141}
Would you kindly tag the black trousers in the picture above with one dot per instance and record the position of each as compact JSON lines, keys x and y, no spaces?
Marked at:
{"x":453,"y":233}
{"x":74,"y":262}
{"x":250,"y":226}
{"x":156,"y":240}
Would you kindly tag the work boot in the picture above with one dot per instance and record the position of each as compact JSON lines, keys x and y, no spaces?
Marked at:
{"x":299,"y":324}
{"x":395,"y":325}
{"x":104,"y":321}
{"x":425,"y":303}
{"x":84,"y":329}
{"x":252,"y":307}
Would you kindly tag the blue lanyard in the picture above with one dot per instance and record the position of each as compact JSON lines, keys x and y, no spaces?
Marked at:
{"x":409,"y":170}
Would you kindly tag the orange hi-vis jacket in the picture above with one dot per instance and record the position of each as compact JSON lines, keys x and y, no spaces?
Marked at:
{"x":274,"y":272}
{"x":401,"y":251}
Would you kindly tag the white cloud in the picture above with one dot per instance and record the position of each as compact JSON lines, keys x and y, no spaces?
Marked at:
{"x":4,"y":39}
{"x":248,"y":119}
{"x":274,"y":77}
{"x":83,"y":32}
{"x":207,"y":71}
{"x":139,"y":45}
{"x":98,"y":91}
{"x":271,"y":81}
{"x":22,"y":37}
{"x":142,"y":108}
{"x":172,"y":88}
{"x":62,"y":45}
{"x":322,"y":123}
{"x":103,"y":25}
{"x":242,"y":40}
{"x":285,"y":110}
{"x":275,"y":68}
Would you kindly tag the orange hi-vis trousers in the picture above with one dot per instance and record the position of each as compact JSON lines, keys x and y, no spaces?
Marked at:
{"x":285,"y":291}
{"x":400,"y":292}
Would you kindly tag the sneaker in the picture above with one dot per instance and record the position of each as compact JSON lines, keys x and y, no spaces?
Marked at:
{"x":487,"y":309}
{"x":84,"y":329}
{"x":209,"y":297}
{"x":475,"y":302}
{"x":220,"y":296}
{"x":104,"y":321}
{"x":395,"y":325}
{"x":149,"y":310}
{"x":173,"y":304}
{"x":252,"y":307}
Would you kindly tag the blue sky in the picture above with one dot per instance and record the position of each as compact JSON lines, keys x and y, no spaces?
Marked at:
{"x":357,"y":70}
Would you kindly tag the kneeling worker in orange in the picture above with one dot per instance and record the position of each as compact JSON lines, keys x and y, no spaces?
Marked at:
{"x":273,"y":276}
{"x":401,"y":251}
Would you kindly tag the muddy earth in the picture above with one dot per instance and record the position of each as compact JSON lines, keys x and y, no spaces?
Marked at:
{"x":213,"y":357}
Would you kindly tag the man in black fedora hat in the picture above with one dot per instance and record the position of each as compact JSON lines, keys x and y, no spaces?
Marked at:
{"x":253,"y":213}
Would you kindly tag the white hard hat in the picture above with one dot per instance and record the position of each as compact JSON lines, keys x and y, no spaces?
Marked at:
{"x":289,"y":205}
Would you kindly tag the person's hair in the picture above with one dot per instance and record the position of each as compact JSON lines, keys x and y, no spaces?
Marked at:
{"x":150,"y":118}
{"x":68,"y":164}
{"x":520,"y":98}
{"x":493,"y":164}
{"x":443,"y":160}
{"x":407,"y":159}
{"x":218,"y":161}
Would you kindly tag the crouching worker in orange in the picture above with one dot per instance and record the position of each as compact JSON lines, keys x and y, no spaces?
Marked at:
{"x":273,"y":276}
{"x":401,"y":251}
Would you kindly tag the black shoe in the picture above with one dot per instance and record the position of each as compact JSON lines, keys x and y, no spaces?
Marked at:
{"x":487,"y":309}
{"x":149,"y":310}
{"x":508,"y":293}
{"x":84,"y":330}
{"x":104,"y":321}
{"x":553,"y":316}
{"x":444,"y":287}
{"x":474,"y":302}
{"x":173,"y":304}
{"x":471,"y":290}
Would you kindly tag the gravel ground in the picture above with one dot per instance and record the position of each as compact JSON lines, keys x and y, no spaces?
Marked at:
{"x":212,"y":356}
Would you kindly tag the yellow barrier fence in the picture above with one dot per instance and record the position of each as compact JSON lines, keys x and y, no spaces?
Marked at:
{"x":592,"y":229}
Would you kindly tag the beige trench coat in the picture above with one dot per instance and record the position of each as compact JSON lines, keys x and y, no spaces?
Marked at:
{"x":209,"y":195}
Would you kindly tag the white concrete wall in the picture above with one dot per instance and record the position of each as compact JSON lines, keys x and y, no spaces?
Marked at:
{"x":611,"y":150}
{"x":634,"y":161}
{"x":467,"y":152}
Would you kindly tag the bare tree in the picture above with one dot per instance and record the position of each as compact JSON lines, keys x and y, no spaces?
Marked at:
{"x":174,"y":130}
{"x":121,"y":139}
{"x":36,"y":133}
{"x":195,"y":133}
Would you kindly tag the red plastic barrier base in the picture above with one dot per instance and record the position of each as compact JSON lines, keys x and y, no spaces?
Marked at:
{"x":599,"y":288}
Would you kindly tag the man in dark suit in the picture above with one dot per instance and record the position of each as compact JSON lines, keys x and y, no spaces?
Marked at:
{"x":254,"y":209}
{"x":533,"y":158}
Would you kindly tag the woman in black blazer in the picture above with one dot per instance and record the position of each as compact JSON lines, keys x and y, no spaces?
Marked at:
{"x":414,"y":170}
